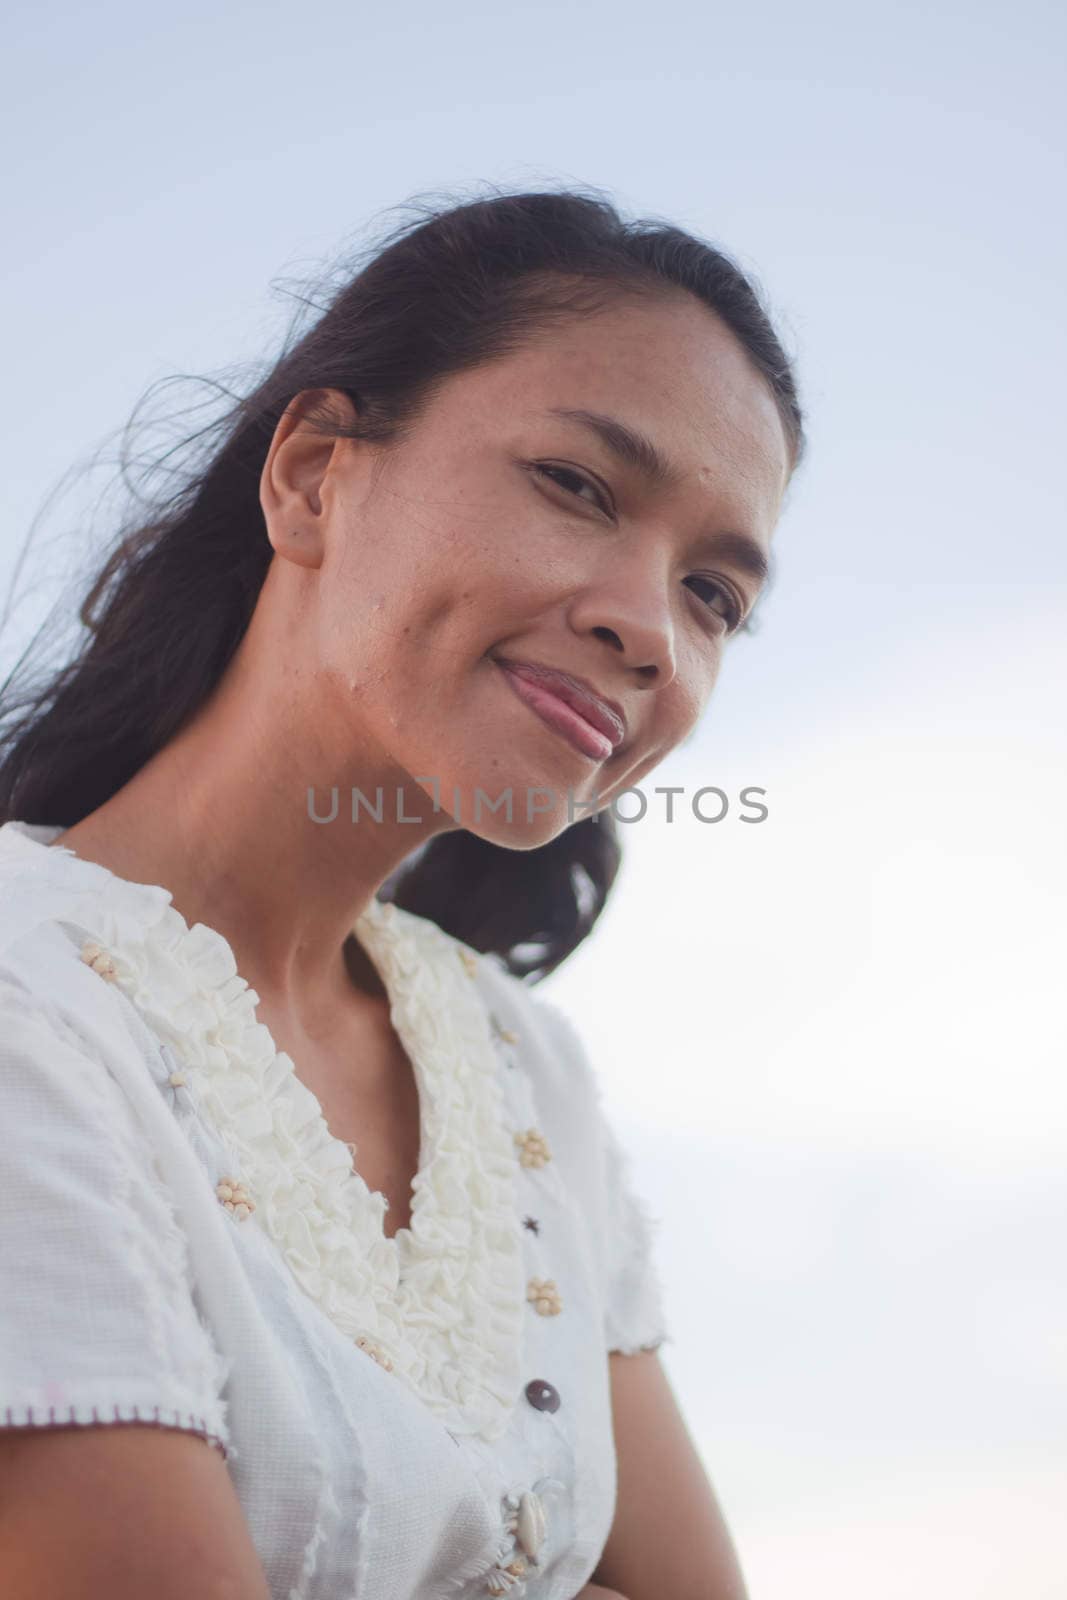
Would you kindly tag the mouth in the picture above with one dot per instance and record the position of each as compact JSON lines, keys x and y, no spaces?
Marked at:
{"x":589,"y":724}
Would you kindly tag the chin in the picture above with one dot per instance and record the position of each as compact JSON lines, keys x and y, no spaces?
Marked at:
{"x":522,"y":832}
{"x":545,"y":798}
{"x":525,"y":835}
{"x":527,"y":826}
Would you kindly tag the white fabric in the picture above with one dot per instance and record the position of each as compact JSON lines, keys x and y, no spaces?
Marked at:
{"x":388,"y":1469}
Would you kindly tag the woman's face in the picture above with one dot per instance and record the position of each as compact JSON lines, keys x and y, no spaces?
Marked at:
{"x":503,"y":529}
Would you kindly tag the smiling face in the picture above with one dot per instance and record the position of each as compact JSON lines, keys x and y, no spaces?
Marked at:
{"x":519,"y":521}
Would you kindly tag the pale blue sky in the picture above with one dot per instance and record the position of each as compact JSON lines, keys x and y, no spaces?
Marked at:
{"x":854,"y":1131}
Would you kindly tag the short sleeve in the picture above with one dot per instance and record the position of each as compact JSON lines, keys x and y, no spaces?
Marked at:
{"x":634,"y":1316}
{"x":98,"y":1320}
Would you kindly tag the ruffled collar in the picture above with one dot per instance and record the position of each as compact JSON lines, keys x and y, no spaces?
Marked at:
{"x":444,"y":1299}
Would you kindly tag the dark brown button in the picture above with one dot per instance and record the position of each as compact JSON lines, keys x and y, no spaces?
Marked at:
{"x":542,"y":1396}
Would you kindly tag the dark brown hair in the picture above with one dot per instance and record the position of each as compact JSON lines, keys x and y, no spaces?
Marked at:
{"x":453,"y":286}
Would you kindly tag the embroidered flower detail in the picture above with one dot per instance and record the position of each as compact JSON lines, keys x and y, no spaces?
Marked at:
{"x":375,"y":1352}
{"x":531,"y":1224}
{"x":544,"y":1297}
{"x":533,"y":1148}
{"x":470,"y":962}
{"x":95,"y":956}
{"x":235,"y":1198}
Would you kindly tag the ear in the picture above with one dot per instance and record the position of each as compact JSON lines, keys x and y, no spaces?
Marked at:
{"x":295,"y":486}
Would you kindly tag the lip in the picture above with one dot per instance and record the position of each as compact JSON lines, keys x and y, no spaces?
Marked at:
{"x":605,"y":715}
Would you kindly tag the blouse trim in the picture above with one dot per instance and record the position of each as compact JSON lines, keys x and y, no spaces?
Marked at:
{"x":26,"y":1416}
{"x":444,"y":1299}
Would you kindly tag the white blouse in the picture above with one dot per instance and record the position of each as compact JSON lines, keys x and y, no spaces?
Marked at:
{"x":184,"y":1242}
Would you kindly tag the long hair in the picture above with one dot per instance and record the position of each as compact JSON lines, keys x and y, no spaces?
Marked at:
{"x":451,"y":287}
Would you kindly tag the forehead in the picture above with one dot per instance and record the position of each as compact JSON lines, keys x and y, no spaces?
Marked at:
{"x":666,"y":366}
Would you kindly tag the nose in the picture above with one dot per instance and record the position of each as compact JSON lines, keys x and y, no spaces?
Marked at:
{"x":631,"y":612}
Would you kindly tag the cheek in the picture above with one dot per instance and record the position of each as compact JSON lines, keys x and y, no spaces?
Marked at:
{"x":684,"y":702}
{"x":674,"y":721}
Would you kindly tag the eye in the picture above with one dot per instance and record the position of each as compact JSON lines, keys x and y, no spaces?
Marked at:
{"x":734,"y":609}
{"x":733,"y":612}
{"x":557,"y":473}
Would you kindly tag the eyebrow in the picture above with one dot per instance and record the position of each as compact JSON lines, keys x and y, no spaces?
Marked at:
{"x":637,"y":450}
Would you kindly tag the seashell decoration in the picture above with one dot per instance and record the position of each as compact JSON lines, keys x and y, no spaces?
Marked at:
{"x":525,"y":1528}
{"x":375,"y":1352}
{"x":530,"y":1524}
{"x":503,"y":1579}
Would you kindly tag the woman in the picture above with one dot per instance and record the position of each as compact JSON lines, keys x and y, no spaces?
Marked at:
{"x":299,"y":1169}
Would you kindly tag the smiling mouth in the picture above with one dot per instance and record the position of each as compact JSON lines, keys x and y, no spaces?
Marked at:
{"x":557,"y":714}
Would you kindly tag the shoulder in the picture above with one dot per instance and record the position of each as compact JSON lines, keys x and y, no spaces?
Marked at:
{"x":545,"y":1042}
{"x":55,"y":927}
{"x":543,"y":1024}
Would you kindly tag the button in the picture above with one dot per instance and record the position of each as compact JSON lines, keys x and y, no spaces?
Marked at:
{"x":543,"y":1396}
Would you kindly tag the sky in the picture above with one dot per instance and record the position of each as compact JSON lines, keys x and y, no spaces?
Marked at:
{"x":833,"y":1041}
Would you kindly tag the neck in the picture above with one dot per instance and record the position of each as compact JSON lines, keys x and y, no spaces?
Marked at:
{"x":220,"y":817}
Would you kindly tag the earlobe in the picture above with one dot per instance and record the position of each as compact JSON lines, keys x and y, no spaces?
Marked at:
{"x":299,"y":546}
